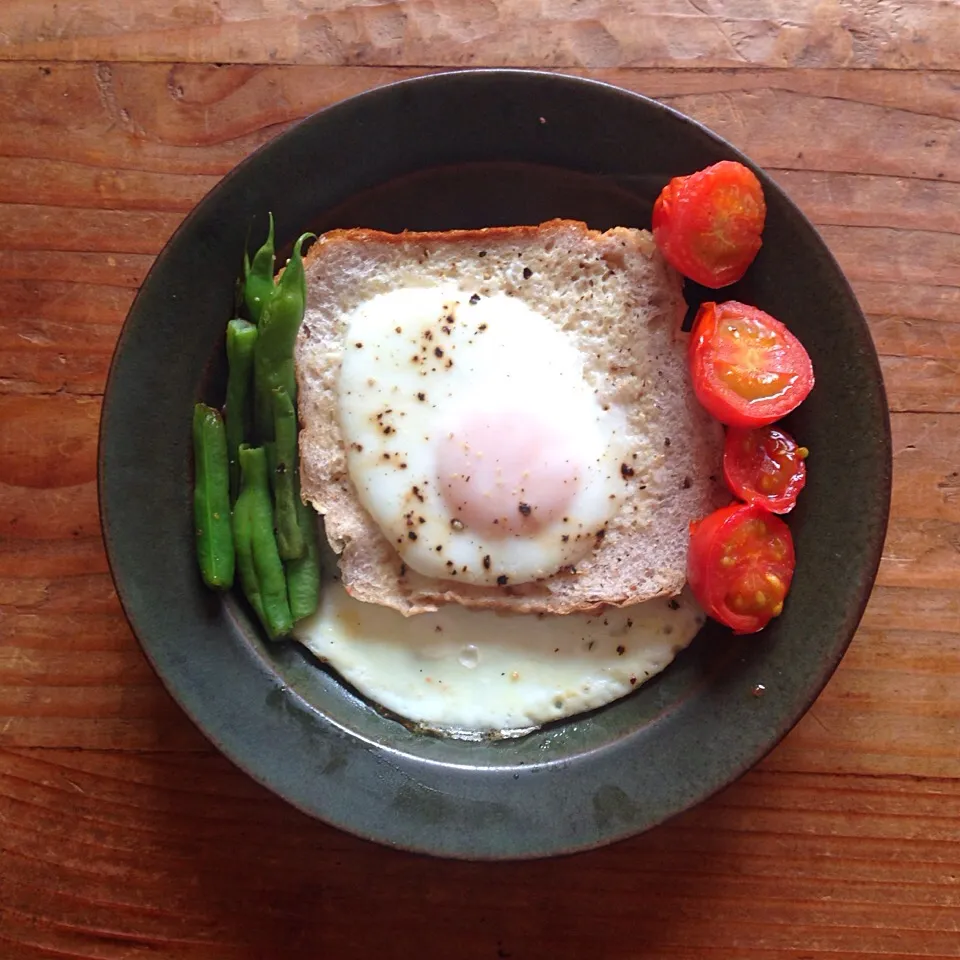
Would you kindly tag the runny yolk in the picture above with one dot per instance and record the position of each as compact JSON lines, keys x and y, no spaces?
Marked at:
{"x":503,"y":473}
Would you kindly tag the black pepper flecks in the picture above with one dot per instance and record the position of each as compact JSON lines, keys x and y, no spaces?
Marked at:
{"x":403,"y":569}
{"x":621,"y":650}
{"x":626,"y":471}
{"x":437,"y":352}
{"x":600,"y":534}
{"x":475,"y":298}
{"x":358,"y":345}
{"x":527,"y":273}
{"x":673,"y":603}
{"x":358,"y":447}
{"x":565,"y":537}
{"x":421,"y":396}
{"x":486,"y":562}
{"x":411,"y":535}
{"x":666,"y":442}
{"x":416,"y":492}
{"x":524,"y":509}
{"x":687,"y":483}
{"x":502,"y":580}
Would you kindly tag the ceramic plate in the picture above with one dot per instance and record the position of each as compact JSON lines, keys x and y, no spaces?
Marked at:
{"x":475,"y":149}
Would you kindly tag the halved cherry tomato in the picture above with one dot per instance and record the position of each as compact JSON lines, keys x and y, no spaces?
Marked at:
{"x":747,"y":368}
{"x":708,"y":225}
{"x":740,"y":565}
{"x":764,"y":467}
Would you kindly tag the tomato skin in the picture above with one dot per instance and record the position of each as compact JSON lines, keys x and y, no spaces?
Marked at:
{"x":748,"y":369}
{"x":765,"y":467}
{"x":708,"y":224}
{"x":741,"y":555}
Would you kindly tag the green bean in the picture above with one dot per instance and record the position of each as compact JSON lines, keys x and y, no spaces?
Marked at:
{"x":211,"y":498}
{"x":241,"y":340}
{"x":303,"y":575}
{"x":255,"y":505}
{"x":289,"y":537}
{"x":258,"y":285}
{"x":273,"y":358}
{"x":243,"y":539}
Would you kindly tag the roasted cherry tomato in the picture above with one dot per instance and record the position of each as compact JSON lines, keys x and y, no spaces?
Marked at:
{"x":708,"y":224}
{"x":747,"y":368}
{"x":740,"y":565}
{"x":764,"y":467}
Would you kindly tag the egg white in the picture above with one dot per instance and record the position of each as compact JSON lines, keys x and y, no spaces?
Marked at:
{"x":474,"y":674}
{"x":416,"y":362}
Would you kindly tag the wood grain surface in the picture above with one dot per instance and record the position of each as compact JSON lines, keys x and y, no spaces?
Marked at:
{"x":123,"y":834}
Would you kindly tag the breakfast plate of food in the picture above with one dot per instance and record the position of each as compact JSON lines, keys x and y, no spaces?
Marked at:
{"x":495,"y":464}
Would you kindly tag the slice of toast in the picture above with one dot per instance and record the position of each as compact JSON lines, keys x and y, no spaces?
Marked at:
{"x":610,"y":290}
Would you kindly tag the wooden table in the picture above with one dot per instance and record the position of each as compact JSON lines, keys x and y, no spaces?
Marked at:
{"x":124,"y":834}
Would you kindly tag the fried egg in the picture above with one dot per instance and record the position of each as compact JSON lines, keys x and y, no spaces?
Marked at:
{"x":473,"y":438}
{"x":474,"y":674}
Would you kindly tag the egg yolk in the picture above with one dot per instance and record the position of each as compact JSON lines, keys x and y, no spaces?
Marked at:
{"x":504,"y":473}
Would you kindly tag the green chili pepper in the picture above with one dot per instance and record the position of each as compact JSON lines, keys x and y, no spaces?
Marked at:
{"x":211,"y":498}
{"x":258,"y":285}
{"x":289,"y":537}
{"x":241,"y":340}
{"x":303,"y":575}
{"x":256,"y":511}
{"x":273,"y":358}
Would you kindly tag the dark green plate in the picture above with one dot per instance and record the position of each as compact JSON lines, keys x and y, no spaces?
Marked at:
{"x":473,"y":149}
